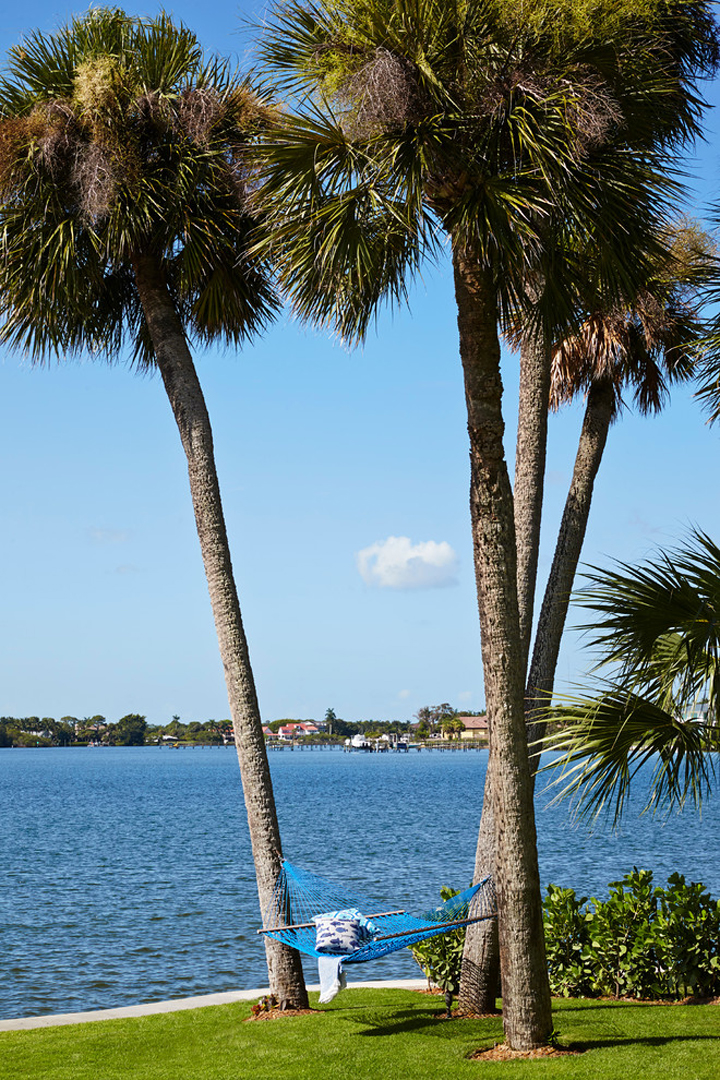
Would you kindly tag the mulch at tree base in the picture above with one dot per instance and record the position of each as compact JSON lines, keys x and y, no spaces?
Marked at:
{"x":278,"y":1014}
{"x":502,"y":1052}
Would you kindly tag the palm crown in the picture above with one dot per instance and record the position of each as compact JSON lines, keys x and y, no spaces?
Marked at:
{"x":118,"y":139}
{"x":490,"y":118}
{"x":647,"y":343}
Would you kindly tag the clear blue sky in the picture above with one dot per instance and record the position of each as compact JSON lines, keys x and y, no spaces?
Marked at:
{"x":322,"y":454}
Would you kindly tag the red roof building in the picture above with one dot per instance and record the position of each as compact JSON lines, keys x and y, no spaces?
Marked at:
{"x":474,"y":727}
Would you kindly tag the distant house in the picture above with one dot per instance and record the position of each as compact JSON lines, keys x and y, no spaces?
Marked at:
{"x":298,"y":730}
{"x":474,"y":727}
{"x":308,"y":728}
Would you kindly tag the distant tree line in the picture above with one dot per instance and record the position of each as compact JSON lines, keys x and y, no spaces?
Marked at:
{"x":441,"y":718}
{"x":129,"y":730}
{"x":133,"y":729}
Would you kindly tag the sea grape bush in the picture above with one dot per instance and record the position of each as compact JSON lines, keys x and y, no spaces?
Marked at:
{"x":688,"y":927}
{"x":642,"y":942}
{"x":620,"y":949}
{"x":566,"y":936}
{"x":440,"y":957}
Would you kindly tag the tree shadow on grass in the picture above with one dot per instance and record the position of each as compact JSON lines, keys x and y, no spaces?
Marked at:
{"x":592,"y":1004}
{"x":412,"y":1022}
{"x":641,"y":1040}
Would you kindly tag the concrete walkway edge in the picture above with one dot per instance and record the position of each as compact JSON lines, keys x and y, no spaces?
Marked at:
{"x":26,"y":1023}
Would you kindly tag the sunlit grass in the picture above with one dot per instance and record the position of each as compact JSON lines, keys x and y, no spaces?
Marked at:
{"x":368,"y":1035}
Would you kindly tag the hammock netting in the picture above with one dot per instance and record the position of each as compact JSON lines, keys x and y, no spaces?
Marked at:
{"x":300,"y":896}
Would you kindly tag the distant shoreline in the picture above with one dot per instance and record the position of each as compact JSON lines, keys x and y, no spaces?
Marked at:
{"x":436,"y":747}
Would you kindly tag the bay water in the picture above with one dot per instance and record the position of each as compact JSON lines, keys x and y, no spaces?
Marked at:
{"x":126,"y":873}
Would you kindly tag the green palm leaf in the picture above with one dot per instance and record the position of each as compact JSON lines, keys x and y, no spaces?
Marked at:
{"x":500,"y":130}
{"x":119,"y":138}
{"x":605,"y":740}
{"x":657,"y":625}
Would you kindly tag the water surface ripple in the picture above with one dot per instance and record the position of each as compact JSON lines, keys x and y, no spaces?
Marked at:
{"x":127,"y":874}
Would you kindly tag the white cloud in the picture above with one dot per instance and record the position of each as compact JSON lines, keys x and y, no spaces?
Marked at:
{"x":397,"y":563}
{"x":108,"y":536}
{"x":466,"y":695}
{"x":404,"y":694}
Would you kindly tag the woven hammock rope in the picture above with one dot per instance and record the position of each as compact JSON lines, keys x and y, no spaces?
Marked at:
{"x":299,"y":896}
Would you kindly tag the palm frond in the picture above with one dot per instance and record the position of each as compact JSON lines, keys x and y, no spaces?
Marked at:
{"x":677,"y":592}
{"x":119,"y":138}
{"x":657,"y":626}
{"x":346,"y":235}
{"x":603,"y":742}
{"x":504,"y":128}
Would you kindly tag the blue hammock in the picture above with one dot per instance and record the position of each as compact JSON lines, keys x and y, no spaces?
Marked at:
{"x":300,"y":896}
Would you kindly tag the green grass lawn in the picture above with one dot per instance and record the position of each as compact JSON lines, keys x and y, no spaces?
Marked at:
{"x":368,"y":1035}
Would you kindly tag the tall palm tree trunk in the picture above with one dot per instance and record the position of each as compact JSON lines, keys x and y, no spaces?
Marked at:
{"x":553,"y":613}
{"x":481,"y":960}
{"x":530,"y":454}
{"x":526,"y":994}
{"x":479,"y":966}
{"x":188,"y":404}
{"x":480,"y":970}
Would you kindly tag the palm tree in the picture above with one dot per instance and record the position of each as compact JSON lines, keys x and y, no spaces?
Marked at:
{"x":657,"y":625}
{"x":123,"y":225}
{"x":478,"y":122}
{"x":450,"y":726}
{"x":644,"y":348}
{"x":645,"y":345}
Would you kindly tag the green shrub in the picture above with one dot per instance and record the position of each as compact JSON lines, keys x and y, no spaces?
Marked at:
{"x":621,"y":949}
{"x":687,"y":931}
{"x":440,"y":957}
{"x":642,"y":942}
{"x":566,"y":938}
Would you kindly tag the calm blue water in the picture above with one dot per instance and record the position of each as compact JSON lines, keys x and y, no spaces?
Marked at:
{"x":127,"y":875}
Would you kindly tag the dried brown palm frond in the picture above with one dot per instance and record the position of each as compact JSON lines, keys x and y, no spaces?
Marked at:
{"x":152,"y":109}
{"x":491,"y":96}
{"x":94,"y":176}
{"x":593,"y":112}
{"x":592,"y":353}
{"x":13,"y":136}
{"x":54,"y":130}
{"x":68,"y":151}
{"x":198,"y":110}
{"x":644,"y":347}
{"x":384,"y":94}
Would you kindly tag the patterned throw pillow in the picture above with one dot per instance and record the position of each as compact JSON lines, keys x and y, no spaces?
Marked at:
{"x":336,"y":934}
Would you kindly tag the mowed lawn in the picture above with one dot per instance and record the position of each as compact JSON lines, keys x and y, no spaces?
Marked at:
{"x":369,"y":1035}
